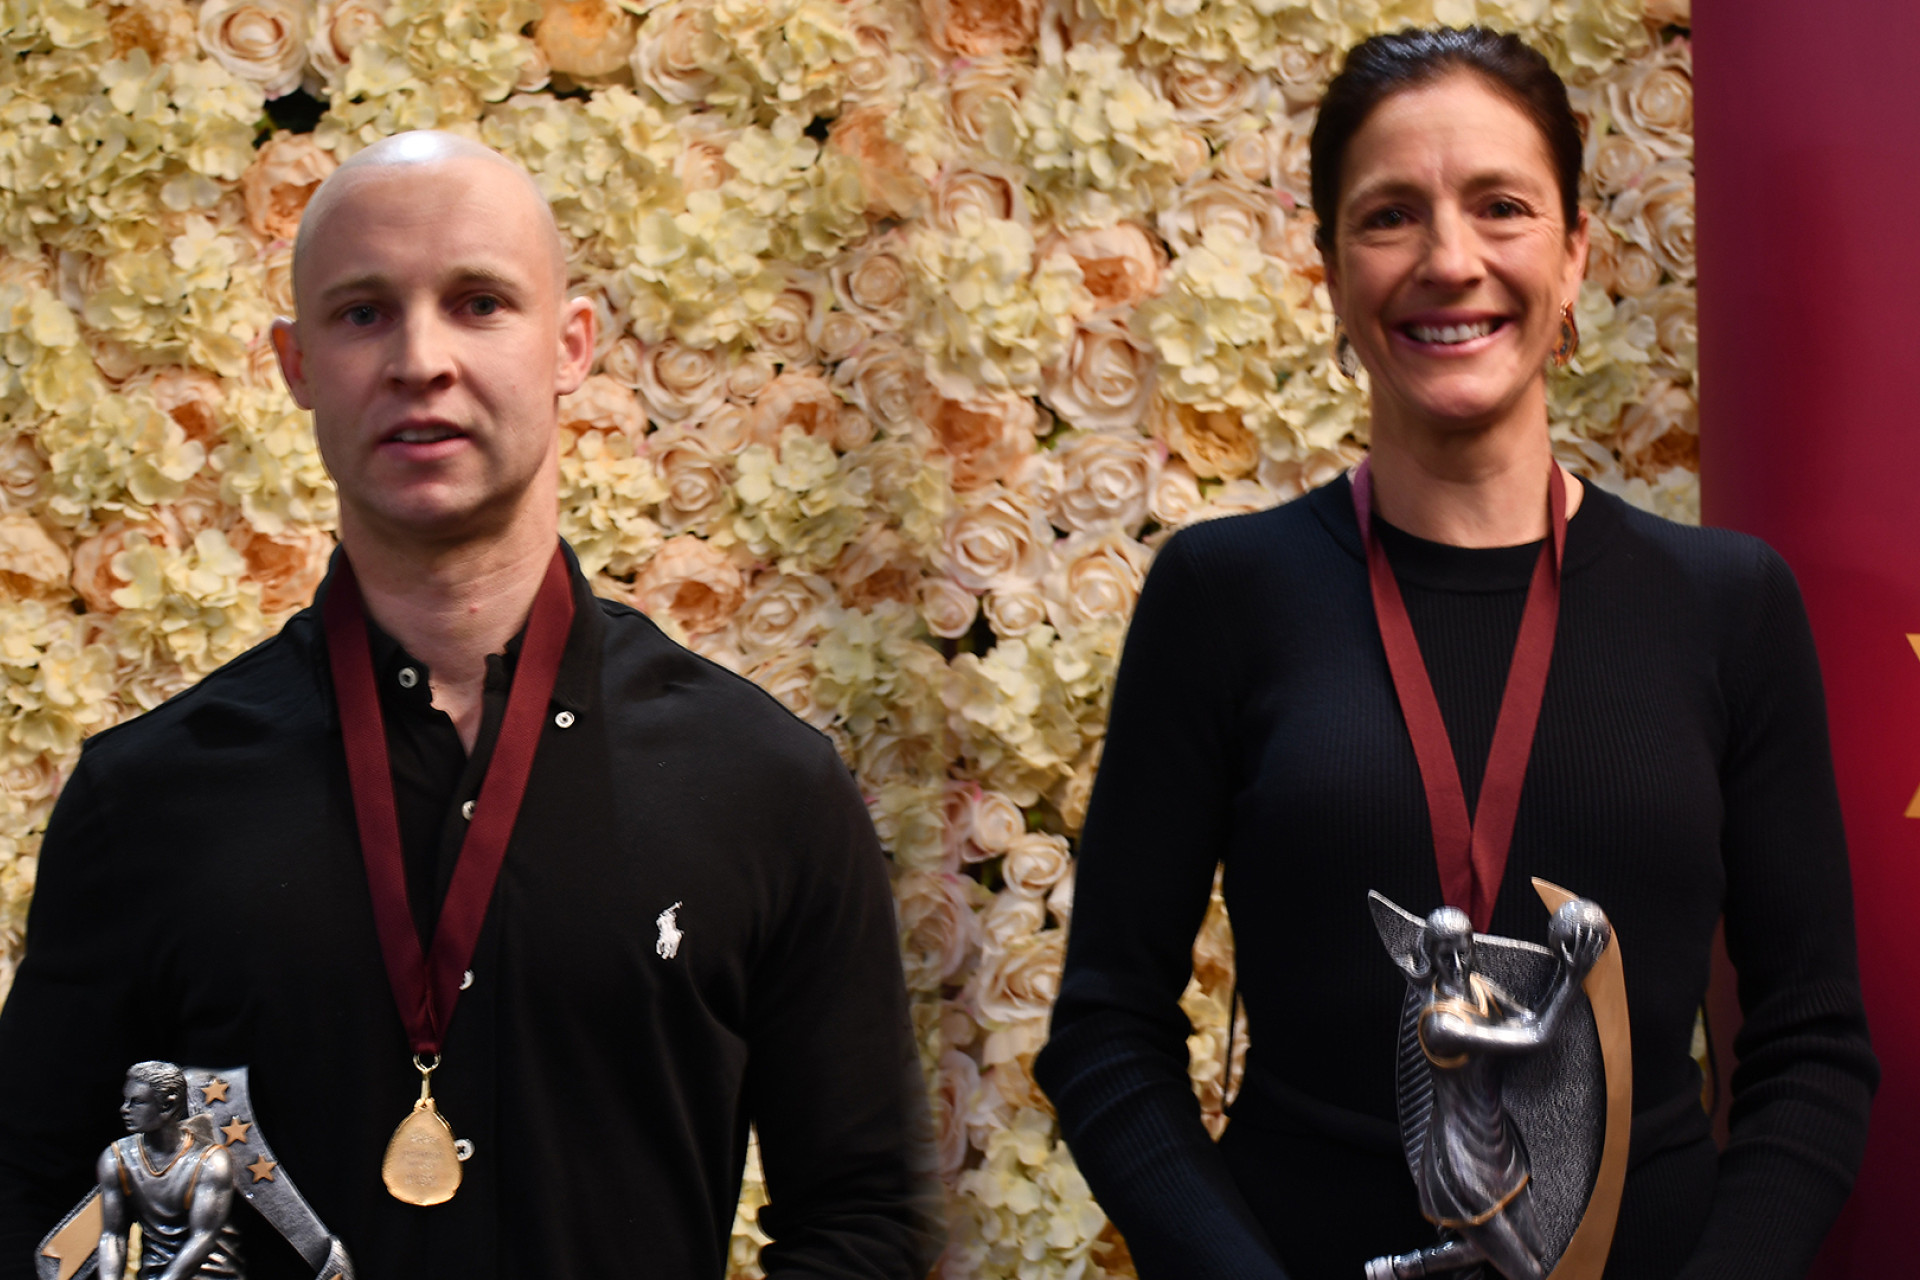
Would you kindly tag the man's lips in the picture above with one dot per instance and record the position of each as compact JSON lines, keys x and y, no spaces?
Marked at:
{"x":423,"y":440}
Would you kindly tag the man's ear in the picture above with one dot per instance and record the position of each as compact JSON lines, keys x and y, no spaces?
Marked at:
{"x":577,"y":330}
{"x":286,"y":347}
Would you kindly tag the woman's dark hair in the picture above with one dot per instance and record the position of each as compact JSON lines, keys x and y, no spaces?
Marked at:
{"x":1381,"y":66}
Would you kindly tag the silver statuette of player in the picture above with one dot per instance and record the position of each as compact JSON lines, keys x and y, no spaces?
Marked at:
{"x":1515,"y":1091}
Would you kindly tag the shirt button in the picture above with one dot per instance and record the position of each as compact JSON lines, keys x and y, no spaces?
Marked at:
{"x":408,"y":677}
{"x":466,"y":980}
{"x":466,"y":811}
{"x":564,"y":719}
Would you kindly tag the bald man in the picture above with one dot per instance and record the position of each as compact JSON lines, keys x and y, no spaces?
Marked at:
{"x":463,"y":831}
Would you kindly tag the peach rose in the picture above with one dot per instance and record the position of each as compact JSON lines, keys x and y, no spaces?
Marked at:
{"x":982,"y":28}
{"x":1208,"y":92}
{"x":956,"y":1086}
{"x":1103,"y":381}
{"x":602,"y":404}
{"x":623,"y":360}
{"x":877,"y":565}
{"x":1020,"y":983}
{"x":1011,"y":918}
{"x":585,"y":38}
{"x":1287,"y":480}
{"x":1095,"y":580}
{"x":947,"y":608}
{"x":1015,"y":611}
{"x":986,"y":436}
{"x":789,"y":678}
{"x":724,"y":429}
{"x":878,"y":72}
{"x":673,"y":51}
{"x":1667,"y":409}
{"x":1213,"y":441}
{"x":264,"y":41}
{"x":28,"y":551}
{"x":277,"y":280}
{"x":750,"y":375}
{"x":197,"y":509}
{"x":22,"y":471}
{"x":338,"y":28}
{"x":695,"y":477}
{"x":287,"y":566}
{"x":1191,"y":152}
{"x":282,"y":178}
{"x":782,"y":613}
{"x":1035,"y":863}
{"x":1657,"y":215}
{"x":96,"y":575}
{"x":1119,"y":265}
{"x":783,"y":332}
{"x":893,"y":188}
{"x":836,"y":334}
{"x":797,"y":398}
{"x":702,"y":164}
{"x":1250,"y":158}
{"x":1105,"y":481}
{"x":1175,"y":498}
{"x":690,"y":584}
{"x":983,"y":104}
{"x":980,"y":193}
{"x":939,"y":934}
{"x":996,"y":541}
{"x":163,"y":28}
{"x":887,"y":380}
{"x":1302,"y":74}
{"x":1617,"y":163}
{"x":677,"y":382}
{"x":191,"y":397}
{"x":872,"y":283}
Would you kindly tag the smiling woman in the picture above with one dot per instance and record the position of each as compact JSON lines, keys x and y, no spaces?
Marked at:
{"x":1358,"y":724}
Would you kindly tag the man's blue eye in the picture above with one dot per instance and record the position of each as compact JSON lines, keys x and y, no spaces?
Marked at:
{"x":486,"y":305}
{"x":361,"y":315}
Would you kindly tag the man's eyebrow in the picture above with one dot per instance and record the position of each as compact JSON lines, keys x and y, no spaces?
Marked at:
{"x":464,"y":277}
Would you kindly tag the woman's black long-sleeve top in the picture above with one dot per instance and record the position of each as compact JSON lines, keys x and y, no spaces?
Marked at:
{"x":1680,"y":771}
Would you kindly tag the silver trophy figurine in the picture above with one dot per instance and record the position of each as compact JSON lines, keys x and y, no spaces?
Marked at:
{"x":193,"y":1152}
{"x":1515,"y":1088}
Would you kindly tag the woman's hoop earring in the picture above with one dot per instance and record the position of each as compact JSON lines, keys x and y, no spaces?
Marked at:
{"x":1345,"y":358}
{"x":1569,"y":338}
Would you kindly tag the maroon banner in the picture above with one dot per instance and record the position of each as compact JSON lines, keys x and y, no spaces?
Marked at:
{"x":1807,"y":128}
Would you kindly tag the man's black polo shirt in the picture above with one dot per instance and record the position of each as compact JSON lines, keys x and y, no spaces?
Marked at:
{"x":202,"y":900}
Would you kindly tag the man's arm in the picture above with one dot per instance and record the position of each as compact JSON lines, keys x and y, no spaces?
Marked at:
{"x":833,"y":1076}
{"x":112,"y":1258}
{"x":68,"y":1029}
{"x":206,"y":1214}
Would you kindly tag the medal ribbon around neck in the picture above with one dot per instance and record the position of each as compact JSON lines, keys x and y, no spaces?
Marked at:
{"x":426,"y":985}
{"x":1471,"y":853}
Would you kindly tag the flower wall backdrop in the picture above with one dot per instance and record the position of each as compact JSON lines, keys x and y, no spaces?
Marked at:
{"x":923,"y":323}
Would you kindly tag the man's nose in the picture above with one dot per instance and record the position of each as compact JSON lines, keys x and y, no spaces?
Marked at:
{"x":423,"y":352}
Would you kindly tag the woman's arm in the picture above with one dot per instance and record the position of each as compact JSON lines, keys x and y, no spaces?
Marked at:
{"x":1807,"y":1072}
{"x":1116,"y":1066}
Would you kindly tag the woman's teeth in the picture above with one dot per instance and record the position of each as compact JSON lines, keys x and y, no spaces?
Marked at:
{"x":1447,"y":335}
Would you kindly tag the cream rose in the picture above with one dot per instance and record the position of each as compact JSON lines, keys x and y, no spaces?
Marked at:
{"x":1103,"y":380}
{"x":1635,"y":272}
{"x":1207,"y":92}
{"x":28,"y":551}
{"x":338,"y":28}
{"x":982,"y":28}
{"x":1119,"y":265}
{"x":695,"y":477}
{"x":1213,"y":442}
{"x":1035,"y":863}
{"x":1302,"y":74}
{"x":956,"y":1087}
{"x":1657,"y":215}
{"x":981,"y":193}
{"x":1095,"y":580}
{"x":996,"y":541}
{"x":1665,"y":420}
{"x":1175,"y":498}
{"x":602,"y":404}
{"x":782,"y":333}
{"x":1616,"y":163}
{"x":690,"y":584}
{"x":947,"y":608}
{"x":1015,"y":611}
{"x":886,"y":379}
{"x":872,"y":283}
{"x":1022,"y":982}
{"x":994,"y":822}
{"x":22,"y":471}
{"x":264,"y":41}
{"x":939,"y":934}
{"x":1675,"y":310}
{"x":675,"y":51}
{"x":724,"y":429}
{"x":1105,"y":481}
{"x":782,"y":613}
{"x":676,"y":382}
{"x":837,"y":334}
{"x":1288,"y":479}
{"x":1249,"y":158}
{"x":877,"y":565}
{"x":750,"y":375}
{"x":983,"y":104}
{"x":1250,"y":213}
{"x":789,"y":678}
{"x":798,"y":398}
{"x":585,"y":39}
{"x":282,"y":178}
{"x":1653,"y":102}
{"x":985,"y":436}
{"x":1011,"y":918}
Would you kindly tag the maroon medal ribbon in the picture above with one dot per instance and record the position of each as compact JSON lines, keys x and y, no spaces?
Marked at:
{"x":426,"y":984}
{"x":1471,"y":853}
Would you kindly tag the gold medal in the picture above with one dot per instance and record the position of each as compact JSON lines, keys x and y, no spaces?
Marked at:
{"x":422,"y":1165}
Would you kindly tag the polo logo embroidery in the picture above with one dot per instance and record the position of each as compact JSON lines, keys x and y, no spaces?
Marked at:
{"x":669,"y":945}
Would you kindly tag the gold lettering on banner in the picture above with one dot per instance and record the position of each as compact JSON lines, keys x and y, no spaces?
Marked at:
{"x":1913,"y":805}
